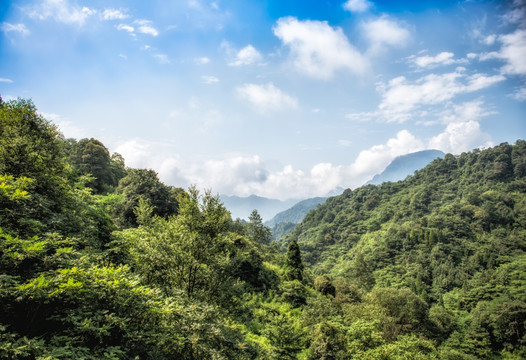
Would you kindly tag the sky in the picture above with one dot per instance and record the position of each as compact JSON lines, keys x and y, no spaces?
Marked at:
{"x":281,"y":99}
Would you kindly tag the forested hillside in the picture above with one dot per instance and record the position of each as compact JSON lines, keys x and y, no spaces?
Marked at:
{"x":102,"y":261}
{"x":449,"y":240}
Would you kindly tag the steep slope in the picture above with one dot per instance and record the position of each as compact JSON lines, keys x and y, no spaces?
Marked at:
{"x":459,"y":197}
{"x":405,"y":165}
{"x":454,"y":234}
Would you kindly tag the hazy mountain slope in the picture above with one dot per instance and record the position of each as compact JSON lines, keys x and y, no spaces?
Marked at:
{"x":296,"y":213}
{"x":398,"y":169}
{"x":405,"y":165}
{"x":241,"y":207}
{"x":457,"y":216}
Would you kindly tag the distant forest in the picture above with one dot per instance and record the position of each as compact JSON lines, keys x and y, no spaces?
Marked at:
{"x":102,"y":261}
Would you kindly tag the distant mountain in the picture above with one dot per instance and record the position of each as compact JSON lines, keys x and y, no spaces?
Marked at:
{"x":241,"y":207}
{"x":405,"y":165}
{"x":296,"y":213}
{"x":285,"y":221}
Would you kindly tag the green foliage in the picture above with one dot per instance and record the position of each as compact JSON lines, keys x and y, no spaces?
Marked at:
{"x":328,"y":343}
{"x":91,"y":157}
{"x":141,"y":183}
{"x":294,"y":262}
{"x":433,"y":267}
{"x":256,"y":230}
{"x":324,"y":285}
{"x":440,"y":254}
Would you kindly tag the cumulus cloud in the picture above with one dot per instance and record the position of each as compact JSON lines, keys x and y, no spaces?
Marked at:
{"x":124,"y":27}
{"x":458,"y":137}
{"x":319,"y":50}
{"x":463,"y":131}
{"x":357,"y":5}
{"x":385,"y":32}
{"x":18,"y":28}
{"x":512,"y":51}
{"x":246,"y":56}
{"x":443,"y":58}
{"x":113,"y":14}
{"x":245,"y":175}
{"x":267,"y":97}
{"x":145,"y":27}
{"x":62,"y":11}
{"x":400,"y":97}
{"x":375,"y":159}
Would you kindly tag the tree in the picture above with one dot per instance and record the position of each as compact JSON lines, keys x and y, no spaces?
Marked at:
{"x":294,"y":262}
{"x":31,"y":147}
{"x":145,"y":183}
{"x":324,"y":285}
{"x":328,"y":342}
{"x":91,"y":157}
{"x":256,"y":230}
{"x":190,"y":252}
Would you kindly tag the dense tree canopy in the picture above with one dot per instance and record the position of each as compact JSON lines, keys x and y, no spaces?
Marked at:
{"x":100,"y":261}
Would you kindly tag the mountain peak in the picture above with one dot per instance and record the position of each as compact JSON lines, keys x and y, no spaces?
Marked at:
{"x":405,"y":165}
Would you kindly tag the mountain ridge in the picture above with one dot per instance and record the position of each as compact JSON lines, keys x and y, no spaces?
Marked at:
{"x":405,"y":165}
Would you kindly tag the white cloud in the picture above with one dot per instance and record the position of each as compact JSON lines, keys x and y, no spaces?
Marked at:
{"x":124,"y":27}
{"x":246,"y":56}
{"x":520,"y":94}
{"x":113,"y":14}
{"x":357,"y":5}
{"x":400,"y":98}
{"x":384,"y":31}
{"x":481,"y":81}
{"x":244,"y":175}
{"x":443,"y":58}
{"x":458,"y":137}
{"x":490,"y":39}
{"x":514,"y":52}
{"x":517,"y":15}
{"x":318,"y":49}
{"x":19,"y":28}
{"x":68,"y":128}
{"x":62,"y":11}
{"x":266,"y":97}
{"x":372,"y":161}
{"x":206,"y":79}
{"x":250,"y":175}
{"x":465,"y":112}
{"x":202,"y":60}
{"x":145,"y":27}
{"x":9,"y":81}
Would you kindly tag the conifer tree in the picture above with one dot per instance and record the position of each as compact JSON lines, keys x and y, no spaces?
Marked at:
{"x":294,"y":262}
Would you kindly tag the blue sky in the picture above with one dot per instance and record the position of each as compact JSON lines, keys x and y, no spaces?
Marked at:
{"x":283,"y":99}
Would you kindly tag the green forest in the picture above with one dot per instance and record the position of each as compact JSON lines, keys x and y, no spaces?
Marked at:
{"x":102,"y":261}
